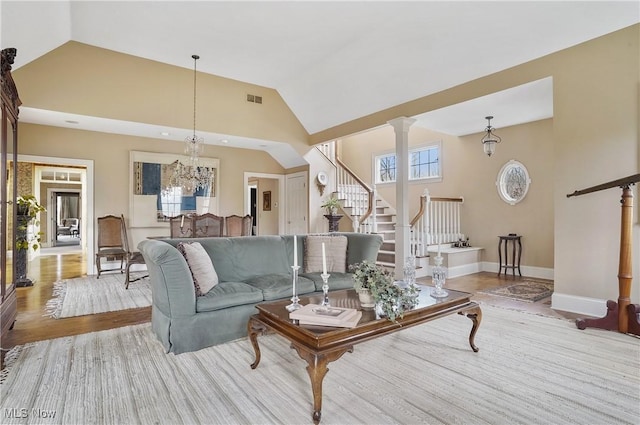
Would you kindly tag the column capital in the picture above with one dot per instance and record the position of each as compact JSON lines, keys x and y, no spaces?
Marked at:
{"x":401,"y":123}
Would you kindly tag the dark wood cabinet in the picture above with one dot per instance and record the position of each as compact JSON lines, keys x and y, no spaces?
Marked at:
{"x":8,"y":189}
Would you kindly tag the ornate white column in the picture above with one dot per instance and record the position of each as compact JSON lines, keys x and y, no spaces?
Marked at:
{"x":403,"y":229}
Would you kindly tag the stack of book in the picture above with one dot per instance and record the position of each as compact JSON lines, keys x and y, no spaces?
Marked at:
{"x":314,"y":314}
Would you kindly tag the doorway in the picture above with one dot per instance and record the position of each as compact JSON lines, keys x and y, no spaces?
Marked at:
{"x":53,"y":174}
{"x":269,"y":216}
{"x":65,"y":217}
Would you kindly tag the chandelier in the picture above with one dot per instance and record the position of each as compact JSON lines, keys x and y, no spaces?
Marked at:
{"x":192,"y":176}
{"x":490,"y":139}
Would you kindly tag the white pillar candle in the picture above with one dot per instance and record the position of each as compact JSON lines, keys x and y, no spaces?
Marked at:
{"x":438,"y":249}
{"x":324,"y":260}
{"x":295,"y":251}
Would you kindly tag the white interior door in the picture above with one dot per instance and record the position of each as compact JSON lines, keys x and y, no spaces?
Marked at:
{"x":297,"y":201}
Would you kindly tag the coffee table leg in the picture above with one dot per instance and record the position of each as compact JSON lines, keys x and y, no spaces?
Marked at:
{"x":255,"y":328}
{"x":475,"y":314}
{"x":317,"y":369}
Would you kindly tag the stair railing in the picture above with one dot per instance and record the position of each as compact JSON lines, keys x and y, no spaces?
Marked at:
{"x":356,"y":194}
{"x":437,"y":222}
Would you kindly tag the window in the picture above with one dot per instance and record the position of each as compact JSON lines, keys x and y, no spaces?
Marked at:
{"x":424,"y":163}
{"x":386,"y":168}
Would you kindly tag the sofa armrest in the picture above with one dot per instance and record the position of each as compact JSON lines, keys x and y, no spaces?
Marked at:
{"x":172,"y":289}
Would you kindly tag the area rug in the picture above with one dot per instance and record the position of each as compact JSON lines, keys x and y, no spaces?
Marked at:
{"x":529,"y":370}
{"x":526,"y":290}
{"x":89,"y":295}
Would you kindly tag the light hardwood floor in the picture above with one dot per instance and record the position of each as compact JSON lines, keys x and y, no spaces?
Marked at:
{"x":31,"y":324}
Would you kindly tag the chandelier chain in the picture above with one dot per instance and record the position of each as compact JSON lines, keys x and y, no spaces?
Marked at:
{"x":195,"y":61}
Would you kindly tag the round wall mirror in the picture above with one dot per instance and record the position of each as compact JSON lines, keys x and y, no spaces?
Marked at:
{"x":513,"y":182}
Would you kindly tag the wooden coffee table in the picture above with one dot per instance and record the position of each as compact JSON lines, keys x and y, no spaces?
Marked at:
{"x":321,"y":345}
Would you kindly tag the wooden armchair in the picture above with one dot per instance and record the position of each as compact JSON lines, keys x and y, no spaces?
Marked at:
{"x":207,"y":225}
{"x":238,"y":226}
{"x":132,"y":257}
{"x":181,"y":226}
{"x":110,"y":241}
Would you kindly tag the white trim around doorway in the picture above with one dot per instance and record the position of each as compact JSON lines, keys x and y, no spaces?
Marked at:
{"x":87,"y":197}
{"x":280,"y":177}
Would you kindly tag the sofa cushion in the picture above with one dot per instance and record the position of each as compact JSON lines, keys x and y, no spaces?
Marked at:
{"x":335,"y":250}
{"x":202,"y":270}
{"x":228,"y":294}
{"x":278,"y":286}
{"x":240,"y":258}
{"x":336,"y":280}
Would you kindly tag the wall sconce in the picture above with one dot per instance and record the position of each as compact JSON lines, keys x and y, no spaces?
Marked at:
{"x":490,"y":139}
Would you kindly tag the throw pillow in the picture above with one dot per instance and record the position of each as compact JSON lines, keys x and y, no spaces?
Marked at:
{"x":202,"y":270}
{"x":335,"y":251}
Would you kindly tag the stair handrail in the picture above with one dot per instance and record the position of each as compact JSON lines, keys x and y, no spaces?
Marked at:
{"x":365,"y":186}
{"x":420,"y":224}
{"x":423,"y":207}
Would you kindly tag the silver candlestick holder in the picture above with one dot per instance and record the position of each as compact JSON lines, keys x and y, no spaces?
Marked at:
{"x":325,"y":289}
{"x":294,"y":300}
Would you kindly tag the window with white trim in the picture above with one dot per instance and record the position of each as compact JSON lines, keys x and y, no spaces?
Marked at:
{"x":424,"y":163}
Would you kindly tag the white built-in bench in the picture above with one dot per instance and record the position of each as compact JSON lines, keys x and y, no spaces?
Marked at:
{"x":458,"y":261}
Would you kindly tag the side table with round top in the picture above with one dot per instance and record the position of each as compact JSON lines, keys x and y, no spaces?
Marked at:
{"x":516,"y":253}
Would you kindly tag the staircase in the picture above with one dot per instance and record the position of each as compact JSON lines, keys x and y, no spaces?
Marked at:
{"x":386,"y":227}
{"x":384,"y":215}
{"x":437,"y":221}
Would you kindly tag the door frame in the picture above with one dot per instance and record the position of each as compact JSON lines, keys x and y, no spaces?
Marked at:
{"x":87,"y":198}
{"x":52,"y":236}
{"x":247,"y":207}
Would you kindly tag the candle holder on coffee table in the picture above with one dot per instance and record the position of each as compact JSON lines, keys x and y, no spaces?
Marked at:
{"x":294,"y":300}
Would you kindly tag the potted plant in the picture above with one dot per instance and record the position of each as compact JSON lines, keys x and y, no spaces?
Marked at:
{"x":375,"y":287}
{"x":365,"y":274}
{"x":393,"y":300}
{"x":28,"y":209}
{"x":331,"y":205}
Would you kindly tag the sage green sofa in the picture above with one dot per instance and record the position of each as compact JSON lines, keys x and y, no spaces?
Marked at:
{"x":251,"y":270}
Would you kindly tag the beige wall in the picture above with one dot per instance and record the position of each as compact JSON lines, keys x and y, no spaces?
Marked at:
{"x":110,"y":154}
{"x":82,"y":79}
{"x":469,"y":173}
{"x":268,"y":220}
{"x":596,"y":141}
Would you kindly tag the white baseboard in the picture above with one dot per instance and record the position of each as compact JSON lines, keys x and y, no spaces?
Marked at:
{"x":528,"y":271}
{"x":424,"y":269}
{"x":579,"y":305}
{"x":464,"y":270}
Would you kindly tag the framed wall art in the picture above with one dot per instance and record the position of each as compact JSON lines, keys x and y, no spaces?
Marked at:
{"x":154,"y":196}
{"x":266,"y":200}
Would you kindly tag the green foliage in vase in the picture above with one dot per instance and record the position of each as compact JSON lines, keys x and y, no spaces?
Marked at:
{"x":391,"y":298}
{"x":331,"y":205}
{"x":365,"y":274}
{"x":28,"y":206}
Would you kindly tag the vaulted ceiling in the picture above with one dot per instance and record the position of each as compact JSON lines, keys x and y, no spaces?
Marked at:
{"x":333,"y":62}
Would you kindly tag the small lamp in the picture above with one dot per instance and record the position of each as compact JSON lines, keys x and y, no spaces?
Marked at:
{"x":490,"y":139}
